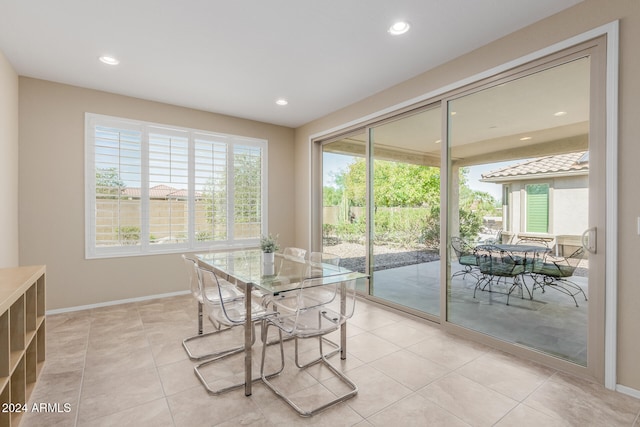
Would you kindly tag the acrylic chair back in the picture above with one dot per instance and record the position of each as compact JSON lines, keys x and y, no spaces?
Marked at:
{"x":320,"y":262}
{"x":324,"y":257}
{"x":191,"y":266}
{"x":296,"y":252}
{"x":322,"y":306}
{"x":290,"y":268}
{"x":223,"y":301}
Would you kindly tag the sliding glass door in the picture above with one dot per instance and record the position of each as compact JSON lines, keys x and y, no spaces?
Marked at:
{"x":405,"y":211}
{"x":494,"y":230}
{"x":344,"y":201}
{"x":524,"y":145}
{"x":381,"y":207}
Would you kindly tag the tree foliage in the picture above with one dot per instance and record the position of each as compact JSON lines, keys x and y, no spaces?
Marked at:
{"x":395,"y":184}
{"x":247,"y":177}
{"x":415,"y":189}
{"x":108,"y":182}
{"x":331,"y":196}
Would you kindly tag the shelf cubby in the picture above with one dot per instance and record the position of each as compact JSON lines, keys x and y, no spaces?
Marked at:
{"x":22,"y":337}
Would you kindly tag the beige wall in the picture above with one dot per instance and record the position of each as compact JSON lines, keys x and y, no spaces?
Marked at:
{"x":8,"y":164}
{"x":52,"y":191}
{"x":576,"y":20}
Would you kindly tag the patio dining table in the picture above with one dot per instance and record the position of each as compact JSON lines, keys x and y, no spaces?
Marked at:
{"x":249,"y":270}
{"x":526,"y":251}
{"x":515,"y":261}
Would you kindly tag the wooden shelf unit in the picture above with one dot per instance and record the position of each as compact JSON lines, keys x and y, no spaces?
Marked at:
{"x":22,"y":337}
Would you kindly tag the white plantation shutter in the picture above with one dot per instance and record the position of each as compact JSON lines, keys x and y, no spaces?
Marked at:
{"x":156,"y":189}
{"x":247,"y":164}
{"x":210,"y":189}
{"x":168,"y":187}
{"x":115,"y":158}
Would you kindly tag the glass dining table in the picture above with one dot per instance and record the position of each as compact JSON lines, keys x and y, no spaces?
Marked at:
{"x":250,"y":270}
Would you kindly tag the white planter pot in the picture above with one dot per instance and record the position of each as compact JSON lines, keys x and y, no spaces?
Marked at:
{"x":268,"y":257}
{"x":268,"y":268}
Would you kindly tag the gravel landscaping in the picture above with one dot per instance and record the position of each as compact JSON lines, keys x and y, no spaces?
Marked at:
{"x":352,"y":256}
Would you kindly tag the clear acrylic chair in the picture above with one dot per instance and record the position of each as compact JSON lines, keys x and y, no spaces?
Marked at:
{"x":317,"y":259}
{"x":293,"y":268}
{"x":195,"y":285}
{"x":297,"y":252}
{"x":229,"y":313}
{"x":316,"y":315}
{"x":324,"y":257}
{"x":320,"y":264}
{"x":288,"y":266}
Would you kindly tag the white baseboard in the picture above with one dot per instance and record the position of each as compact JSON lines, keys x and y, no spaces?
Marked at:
{"x":628,"y":391}
{"x":121,"y":301}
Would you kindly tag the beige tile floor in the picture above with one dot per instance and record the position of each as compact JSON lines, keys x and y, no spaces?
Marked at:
{"x":124,"y":366}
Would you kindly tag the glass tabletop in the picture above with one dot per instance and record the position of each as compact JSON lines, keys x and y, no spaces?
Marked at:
{"x":285,"y":273}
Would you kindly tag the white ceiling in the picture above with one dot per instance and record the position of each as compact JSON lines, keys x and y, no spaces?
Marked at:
{"x":238,"y":57}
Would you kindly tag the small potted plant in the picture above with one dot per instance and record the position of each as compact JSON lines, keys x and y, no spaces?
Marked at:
{"x":269,"y":245}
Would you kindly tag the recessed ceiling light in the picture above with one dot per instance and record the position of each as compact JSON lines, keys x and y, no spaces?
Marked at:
{"x":282,"y":102}
{"x":438,"y":141}
{"x":560,"y":113}
{"x":525,"y":138}
{"x":399,"y":27}
{"x":109,"y":60}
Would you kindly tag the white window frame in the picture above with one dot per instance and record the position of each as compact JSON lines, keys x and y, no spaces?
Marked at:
{"x":145,"y":247}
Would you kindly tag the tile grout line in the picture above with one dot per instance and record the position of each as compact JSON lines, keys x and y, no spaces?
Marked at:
{"x":155,"y":365}
{"x":84,"y":365}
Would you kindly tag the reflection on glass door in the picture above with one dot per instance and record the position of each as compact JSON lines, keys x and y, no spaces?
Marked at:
{"x":518,"y":207}
{"x":405,"y":214}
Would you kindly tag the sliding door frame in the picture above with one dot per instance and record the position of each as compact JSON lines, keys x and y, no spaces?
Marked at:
{"x":593,"y":49}
{"x":611,"y":34}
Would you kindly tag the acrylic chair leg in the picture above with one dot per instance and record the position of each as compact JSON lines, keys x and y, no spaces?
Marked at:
{"x":198,"y":369}
{"x":353,"y":389}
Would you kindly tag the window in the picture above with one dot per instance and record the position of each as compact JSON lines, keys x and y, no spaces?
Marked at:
{"x":537,"y":208}
{"x":156,"y":189}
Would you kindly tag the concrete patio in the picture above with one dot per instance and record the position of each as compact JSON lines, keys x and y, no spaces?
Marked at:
{"x":550,"y":322}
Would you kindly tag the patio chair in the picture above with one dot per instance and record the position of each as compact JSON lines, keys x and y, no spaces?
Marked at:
{"x":197,"y":292}
{"x":529,"y":257}
{"x":499,"y":267}
{"x":530,"y":240}
{"x":466,"y":258}
{"x":555,"y":271}
{"x":500,"y":238}
{"x":315,"y":315}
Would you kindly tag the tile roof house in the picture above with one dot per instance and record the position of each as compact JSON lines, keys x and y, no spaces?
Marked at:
{"x":546,"y":197}
{"x":559,"y":165}
{"x":163,"y":192}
